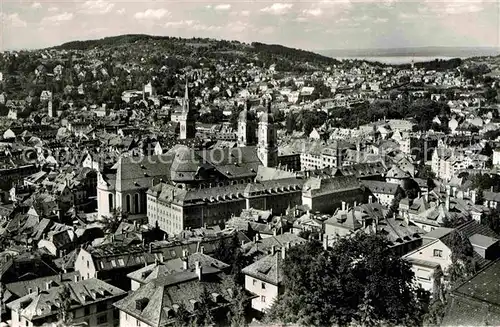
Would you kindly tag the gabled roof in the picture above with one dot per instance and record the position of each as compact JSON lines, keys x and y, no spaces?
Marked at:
{"x":160,"y":269}
{"x":268,"y":268}
{"x":317,"y":187}
{"x":396,"y":172}
{"x":85,"y":292}
{"x":265,"y":244}
{"x":476,"y":302}
{"x":377,"y":187}
{"x":22,"y":288}
{"x":116,"y":256}
{"x":156,"y":302}
{"x":345,"y":219}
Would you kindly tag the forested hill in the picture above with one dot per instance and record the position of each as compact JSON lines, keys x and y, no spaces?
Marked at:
{"x":202,"y":48}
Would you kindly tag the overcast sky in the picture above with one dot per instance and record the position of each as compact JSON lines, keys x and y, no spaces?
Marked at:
{"x":314,"y":25}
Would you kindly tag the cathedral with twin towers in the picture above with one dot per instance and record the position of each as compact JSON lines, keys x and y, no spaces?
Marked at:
{"x":189,"y":188}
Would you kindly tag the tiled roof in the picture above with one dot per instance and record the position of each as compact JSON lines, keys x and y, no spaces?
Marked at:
{"x":396,"y":172}
{"x":317,"y":187}
{"x":345,"y":219}
{"x":84,"y":292}
{"x":115,"y":256}
{"x":20,"y":289}
{"x":469,"y":229}
{"x":364,"y":169}
{"x":159,"y":269}
{"x":268,"y":268}
{"x":264,"y":245}
{"x":156,"y":302}
{"x":476,"y":302}
{"x":377,"y":187}
{"x":491,"y":196}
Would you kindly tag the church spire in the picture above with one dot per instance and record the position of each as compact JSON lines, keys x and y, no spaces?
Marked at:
{"x":185,"y":103}
{"x":186,"y":121}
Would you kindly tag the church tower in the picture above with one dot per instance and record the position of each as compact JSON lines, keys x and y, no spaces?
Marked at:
{"x":247,"y":127}
{"x":267,"y":148}
{"x":186,"y":121}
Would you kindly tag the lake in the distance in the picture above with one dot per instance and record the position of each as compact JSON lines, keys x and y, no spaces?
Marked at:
{"x":396,"y":60}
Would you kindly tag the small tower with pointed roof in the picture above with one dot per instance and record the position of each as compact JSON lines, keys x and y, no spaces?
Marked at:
{"x":186,"y":120}
{"x":267,"y":148}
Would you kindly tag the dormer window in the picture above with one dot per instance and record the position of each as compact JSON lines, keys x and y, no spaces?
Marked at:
{"x":195,"y":304}
{"x":141,"y":304}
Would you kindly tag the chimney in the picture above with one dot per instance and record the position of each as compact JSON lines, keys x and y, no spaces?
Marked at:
{"x":275,"y":232}
{"x":283,"y":252}
{"x":325,"y":242}
{"x":355,"y":204}
{"x":198,"y":269}
{"x":185,"y":263}
{"x":202,"y":249}
{"x":370,"y":199}
{"x":273,"y":249}
{"x":150,"y":247}
{"x":343,"y":205}
{"x":77,"y":278}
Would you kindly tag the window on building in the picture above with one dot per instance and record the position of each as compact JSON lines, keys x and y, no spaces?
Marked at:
{"x":86,"y":311}
{"x":438,"y":253}
{"x":110,"y":202}
{"x":102,"y":319}
{"x":254,"y":282}
{"x":113,"y":263}
{"x":121,"y":262}
{"x":128,"y":199}
{"x":138,"y":323}
{"x":263,"y":286}
{"x":136,"y":203}
{"x":263,"y":298}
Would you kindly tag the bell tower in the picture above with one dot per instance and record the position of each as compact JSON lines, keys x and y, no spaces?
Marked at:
{"x":267,"y":148}
{"x":246,"y":127}
{"x":186,"y":121}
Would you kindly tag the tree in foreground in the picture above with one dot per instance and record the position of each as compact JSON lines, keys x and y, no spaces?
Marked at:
{"x":357,"y":281}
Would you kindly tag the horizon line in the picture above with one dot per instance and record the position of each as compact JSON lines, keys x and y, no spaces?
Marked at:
{"x":495,"y":47}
